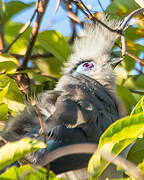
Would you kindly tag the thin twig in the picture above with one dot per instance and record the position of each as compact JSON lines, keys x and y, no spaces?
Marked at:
{"x":34,"y":56}
{"x":37,"y":56}
{"x":23,"y":83}
{"x":63,"y":151}
{"x":123,"y":43}
{"x":137,"y":92}
{"x":2,"y":44}
{"x":73,"y":18}
{"x":57,"y":6}
{"x":53,"y":78}
{"x":90,"y":15}
{"x":89,"y":149}
{"x":23,"y":29}
{"x":124,"y":24}
{"x":120,"y":29}
{"x":3,"y":140}
{"x":39,"y":116}
{"x":132,"y":56}
{"x":140,"y":3}
{"x":40,"y":12}
{"x":100,"y":5}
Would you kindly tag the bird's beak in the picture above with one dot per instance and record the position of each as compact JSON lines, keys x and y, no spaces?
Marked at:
{"x":115,"y":62}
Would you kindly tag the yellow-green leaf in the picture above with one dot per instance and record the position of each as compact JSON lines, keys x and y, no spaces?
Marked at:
{"x":13,"y":151}
{"x":117,"y":137}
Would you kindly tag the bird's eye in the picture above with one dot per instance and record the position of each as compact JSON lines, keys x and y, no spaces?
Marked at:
{"x":88,"y":65}
{"x":85,"y":68}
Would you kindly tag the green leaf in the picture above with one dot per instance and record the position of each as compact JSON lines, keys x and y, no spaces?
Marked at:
{"x":26,"y":172}
{"x":117,"y":137}
{"x":2,"y":7}
{"x":52,"y":41}
{"x":3,"y":90}
{"x":8,"y":64}
{"x":8,"y":67}
{"x":128,"y":63}
{"x":13,"y":151}
{"x":139,"y":107}
{"x":136,"y":153}
{"x":141,"y":166}
{"x":131,"y":33}
{"x":125,"y":128}
{"x":51,"y":66}
{"x":121,"y":7}
{"x":135,"y":82}
{"x":11,"y":31}
{"x":127,"y":97}
{"x":11,"y":95}
{"x":3,"y":111}
{"x":14,"y":7}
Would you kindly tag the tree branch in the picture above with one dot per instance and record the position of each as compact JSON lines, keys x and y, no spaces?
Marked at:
{"x":89,"y":149}
{"x":132,"y":56}
{"x":34,"y":56}
{"x":124,"y":24}
{"x":137,"y":92}
{"x":2,"y":44}
{"x":23,"y":29}
{"x":100,"y":5}
{"x":41,"y":6}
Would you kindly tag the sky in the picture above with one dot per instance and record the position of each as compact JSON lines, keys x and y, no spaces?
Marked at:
{"x":58,"y":21}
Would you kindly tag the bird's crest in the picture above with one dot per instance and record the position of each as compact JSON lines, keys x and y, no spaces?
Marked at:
{"x":95,"y":45}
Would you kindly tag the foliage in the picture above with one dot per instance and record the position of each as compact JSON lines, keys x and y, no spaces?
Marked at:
{"x":18,"y":150}
{"x":50,"y":52}
{"x":27,"y":172}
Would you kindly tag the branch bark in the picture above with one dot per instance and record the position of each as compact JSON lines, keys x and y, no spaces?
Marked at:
{"x":23,"y":29}
{"x":2,"y":44}
{"x":40,"y":12}
{"x":89,"y":149}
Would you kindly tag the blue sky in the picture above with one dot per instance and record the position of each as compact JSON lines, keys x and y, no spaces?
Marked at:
{"x":58,"y":21}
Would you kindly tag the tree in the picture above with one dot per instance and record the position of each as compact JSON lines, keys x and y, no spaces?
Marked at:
{"x":30,"y":62}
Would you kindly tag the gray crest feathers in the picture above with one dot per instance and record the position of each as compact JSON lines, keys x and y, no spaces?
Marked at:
{"x":95,"y":45}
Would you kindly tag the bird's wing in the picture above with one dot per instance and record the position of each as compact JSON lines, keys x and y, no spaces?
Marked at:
{"x":46,"y":102}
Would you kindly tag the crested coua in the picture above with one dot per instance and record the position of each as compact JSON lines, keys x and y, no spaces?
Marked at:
{"x":82,"y":105}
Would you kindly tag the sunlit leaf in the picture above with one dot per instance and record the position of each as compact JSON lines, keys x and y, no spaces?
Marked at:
{"x":52,"y":41}
{"x":3,"y":90}
{"x":26,"y":172}
{"x":127,"y":97}
{"x":135,"y":82}
{"x":141,"y":166}
{"x":51,"y":66}
{"x":14,"y":7}
{"x":121,"y":7}
{"x":136,"y":153}
{"x":11,"y":31}
{"x":133,"y":33}
{"x":117,"y":137}
{"x":13,"y":151}
{"x":12,"y":95}
{"x":3,"y":111}
{"x":6,"y":57}
{"x":139,"y":107}
{"x":2,"y":7}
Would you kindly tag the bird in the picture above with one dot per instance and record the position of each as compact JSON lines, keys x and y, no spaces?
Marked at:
{"x":83,"y":104}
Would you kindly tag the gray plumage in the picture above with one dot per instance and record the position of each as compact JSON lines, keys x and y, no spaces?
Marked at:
{"x":83,"y":103}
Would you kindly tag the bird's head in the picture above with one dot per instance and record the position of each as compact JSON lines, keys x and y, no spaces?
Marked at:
{"x":92,"y":53}
{"x":95,"y":70}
